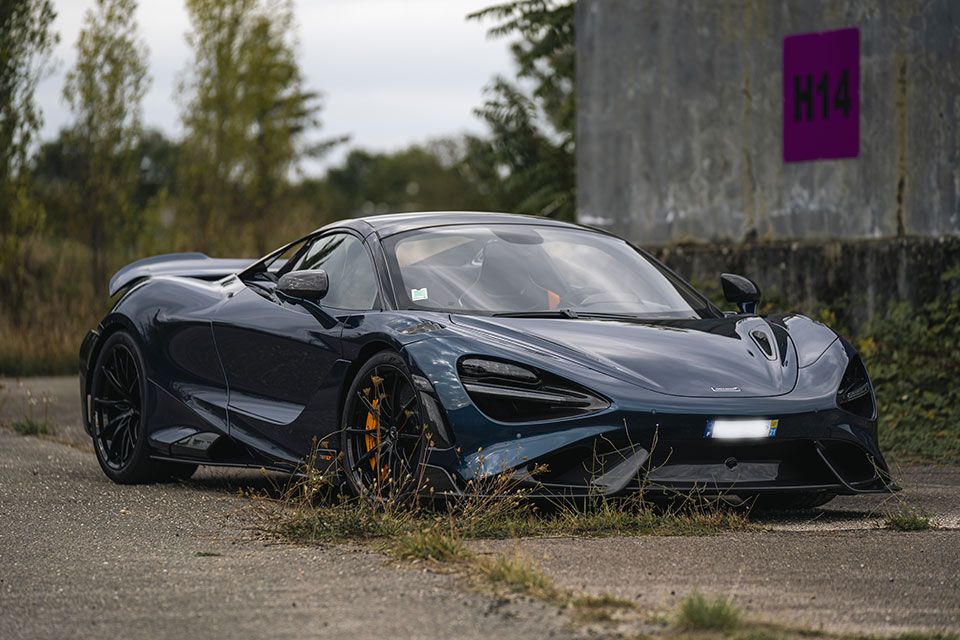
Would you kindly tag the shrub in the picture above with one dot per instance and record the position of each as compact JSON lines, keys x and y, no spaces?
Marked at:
{"x":913,"y":357}
{"x":699,"y":613}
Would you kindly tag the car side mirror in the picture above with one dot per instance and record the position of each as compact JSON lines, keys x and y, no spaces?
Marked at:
{"x":742,"y":291}
{"x":309,"y":285}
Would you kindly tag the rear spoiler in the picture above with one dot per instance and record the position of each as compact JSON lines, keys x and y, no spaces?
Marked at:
{"x":188,"y":265}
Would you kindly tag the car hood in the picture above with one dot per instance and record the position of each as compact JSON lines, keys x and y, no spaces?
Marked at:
{"x":718,"y":357}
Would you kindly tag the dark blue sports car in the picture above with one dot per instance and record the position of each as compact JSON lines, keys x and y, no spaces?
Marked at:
{"x":436,"y":349}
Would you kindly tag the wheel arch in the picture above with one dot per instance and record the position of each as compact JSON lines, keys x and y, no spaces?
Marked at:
{"x":111,"y":324}
{"x":367,"y":351}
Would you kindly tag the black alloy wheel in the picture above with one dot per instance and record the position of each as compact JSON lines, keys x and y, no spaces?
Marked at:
{"x":383,"y":439}
{"x":118,"y":410}
{"x":116,"y":407}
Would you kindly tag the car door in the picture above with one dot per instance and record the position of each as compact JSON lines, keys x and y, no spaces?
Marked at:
{"x":282,"y":356}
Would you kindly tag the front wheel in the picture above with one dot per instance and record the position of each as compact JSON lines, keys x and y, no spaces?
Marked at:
{"x":119,"y":406}
{"x":382,"y":436}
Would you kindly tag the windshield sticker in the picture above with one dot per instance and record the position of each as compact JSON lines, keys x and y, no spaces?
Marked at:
{"x":418,"y":294}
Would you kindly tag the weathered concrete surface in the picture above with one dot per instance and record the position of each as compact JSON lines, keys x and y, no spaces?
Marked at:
{"x":832,"y":568}
{"x":57,"y":401}
{"x":858,"y":279}
{"x":679,"y":122}
{"x":81,"y":557}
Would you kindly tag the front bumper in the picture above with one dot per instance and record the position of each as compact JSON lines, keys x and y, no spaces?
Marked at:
{"x":824,"y":451}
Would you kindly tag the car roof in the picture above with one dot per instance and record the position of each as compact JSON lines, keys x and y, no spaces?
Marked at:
{"x":393,"y":223}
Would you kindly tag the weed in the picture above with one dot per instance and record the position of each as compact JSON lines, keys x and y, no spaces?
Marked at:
{"x":699,"y":613}
{"x":348,"y":520}
{"x":430,"y":544}
{"x":908,"y":519}
{"x":762,"y":633}
{"x":519,"y":575}
{"x":927,"y":635}
{"x":30,"y":423}
{"x":598,"y":608}
{"x":32,"y":427}
{"x":635,"y":516}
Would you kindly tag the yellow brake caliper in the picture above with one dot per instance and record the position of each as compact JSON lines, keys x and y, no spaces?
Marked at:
{"x":372,"y":437}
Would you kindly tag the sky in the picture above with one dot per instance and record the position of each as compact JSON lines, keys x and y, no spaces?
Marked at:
{"x":392,"y":72}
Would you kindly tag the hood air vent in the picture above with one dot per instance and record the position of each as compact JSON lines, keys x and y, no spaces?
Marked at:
{"x":763,"y":341}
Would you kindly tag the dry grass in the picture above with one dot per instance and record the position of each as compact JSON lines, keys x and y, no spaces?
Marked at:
{"x":34,"y":410}
{"x":309,"y":510}
{"x":433,"y":545}
{"x":699,"y":613}
{"x":42,"y":325}
{"x":519,"y":575}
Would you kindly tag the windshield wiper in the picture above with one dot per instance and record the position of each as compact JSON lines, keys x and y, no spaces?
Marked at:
{"x":557,"y":313}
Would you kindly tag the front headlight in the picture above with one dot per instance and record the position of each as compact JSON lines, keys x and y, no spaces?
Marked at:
{"x":509,"y":392}
{"x":855,"y":394}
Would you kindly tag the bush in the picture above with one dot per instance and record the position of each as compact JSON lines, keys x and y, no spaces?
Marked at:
{"x":913,"y":357}
{"x":698,"y":613}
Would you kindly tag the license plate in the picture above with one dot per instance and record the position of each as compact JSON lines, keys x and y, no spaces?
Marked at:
{"x":740,"y":428}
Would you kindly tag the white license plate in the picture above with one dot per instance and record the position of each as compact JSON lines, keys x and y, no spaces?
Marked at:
{"x":740,"y":428}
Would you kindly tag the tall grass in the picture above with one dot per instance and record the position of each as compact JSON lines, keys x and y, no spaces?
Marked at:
{"x":41,"y":326}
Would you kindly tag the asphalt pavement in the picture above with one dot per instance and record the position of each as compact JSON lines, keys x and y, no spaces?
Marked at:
{"x":81,"y":557}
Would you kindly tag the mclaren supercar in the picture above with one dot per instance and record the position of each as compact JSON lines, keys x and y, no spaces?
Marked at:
{"x":450,"y":346}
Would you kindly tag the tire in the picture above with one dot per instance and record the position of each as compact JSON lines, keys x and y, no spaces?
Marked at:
{"x":382,"y":438}
{"x":791,"y":501}
{"x":119,"y":403}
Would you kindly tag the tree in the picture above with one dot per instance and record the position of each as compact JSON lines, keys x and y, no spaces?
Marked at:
{"x":105,"y":92}
{"x":26,"y":42}
{"x":420,"y":177}
{"x":246,"y":118}
{"x":532,"y":133}
{"x":58,"y":179}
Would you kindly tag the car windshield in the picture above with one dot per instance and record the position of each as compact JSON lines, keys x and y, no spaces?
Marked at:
{"x":528,"y":269}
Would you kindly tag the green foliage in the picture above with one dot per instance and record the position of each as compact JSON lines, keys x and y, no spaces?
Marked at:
{"x":430,"y":544}
{"x":58,"y":182}
{"x":26,"y":42}
{"x":927,"y":635}
{"x":908,"y":519}
{"x":32,"y":427}
{"x":246,"y":119}
{"x":532,"y":133}
{"x":699,"y":613}
{"x":435,"y":176}
{"x":348,"y":520}
{"x":913,"y":357}
{"x":105,"y":92}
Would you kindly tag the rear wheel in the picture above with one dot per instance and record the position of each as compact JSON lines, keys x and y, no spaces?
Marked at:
{"x":119,"y":406}
{"x":382,"y":436}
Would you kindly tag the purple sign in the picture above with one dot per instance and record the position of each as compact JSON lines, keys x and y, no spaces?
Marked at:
{"x":821,"y":95}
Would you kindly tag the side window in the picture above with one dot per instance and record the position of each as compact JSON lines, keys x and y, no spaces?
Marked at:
{"x":353,"y":283}
{"x":280,"y":260}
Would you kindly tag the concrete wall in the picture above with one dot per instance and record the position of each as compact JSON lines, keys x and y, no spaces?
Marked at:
{"x":679,"y":122}
{"x":857,"y":279}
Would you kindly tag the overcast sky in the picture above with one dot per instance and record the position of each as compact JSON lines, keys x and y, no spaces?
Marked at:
{"x":392,"y":71}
